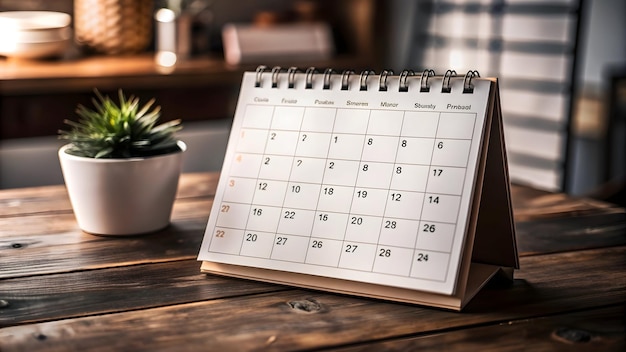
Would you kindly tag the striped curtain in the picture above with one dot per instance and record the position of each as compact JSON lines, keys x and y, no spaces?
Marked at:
{"x":530,"y":45}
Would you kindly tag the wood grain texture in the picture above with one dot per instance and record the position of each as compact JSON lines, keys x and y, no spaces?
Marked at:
{"x":571,"y":233}
{"x":299,"y":319}
{"x":591,"y":330}
{"x":64,"y":289}
{"x":21,"y":202}
{"x":94,"y":292}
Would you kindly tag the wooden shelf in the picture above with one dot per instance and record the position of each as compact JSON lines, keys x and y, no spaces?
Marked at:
{"x":111,"y":72}
{"x":36,"y":96}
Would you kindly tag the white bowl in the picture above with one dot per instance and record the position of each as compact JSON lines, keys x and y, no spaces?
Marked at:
{"x":34,"y":34}
{"x":35,"y":50}
{"x":31,"y":20}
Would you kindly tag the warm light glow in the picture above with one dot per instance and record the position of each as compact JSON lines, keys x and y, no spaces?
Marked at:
{"x":455,"y":60}
{"x":165,"y":15}
{"x":165,"y":58}
{"x":7,"y":44}
{"x":9,"y":32}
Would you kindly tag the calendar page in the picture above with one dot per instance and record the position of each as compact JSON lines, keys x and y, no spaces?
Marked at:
{"x":369,"y":186}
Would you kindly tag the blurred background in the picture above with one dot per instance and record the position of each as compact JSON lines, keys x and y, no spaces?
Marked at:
{"x":561,"y":65}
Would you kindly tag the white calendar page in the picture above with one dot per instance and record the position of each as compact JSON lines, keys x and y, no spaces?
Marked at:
{"x":370,"y":186}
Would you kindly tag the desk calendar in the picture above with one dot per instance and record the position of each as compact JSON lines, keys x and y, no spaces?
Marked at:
{"x":386,"y":186}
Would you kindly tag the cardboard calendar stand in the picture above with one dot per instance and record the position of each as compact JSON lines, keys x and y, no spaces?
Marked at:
{"x":484,"y":233}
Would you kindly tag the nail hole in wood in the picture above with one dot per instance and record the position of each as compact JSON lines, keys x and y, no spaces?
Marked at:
{"x":572,"y":335}
{"x":308,"y":305}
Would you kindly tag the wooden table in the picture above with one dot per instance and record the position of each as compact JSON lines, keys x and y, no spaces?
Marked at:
{"x":62,"y":289}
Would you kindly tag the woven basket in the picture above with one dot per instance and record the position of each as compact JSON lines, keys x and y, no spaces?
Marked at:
{"x":113,"y":26}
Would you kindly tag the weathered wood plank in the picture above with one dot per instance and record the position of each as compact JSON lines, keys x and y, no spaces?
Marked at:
{"x":54,"y":199}
{"x":60,"y":246}
{"x":52,"y":242}
{"x":528,"y":203}
{"x":546,"y":235}
{"x":300,"y":319}
{"x":61,"y":296}
{"x":591,"y":330}
{"x":75,"y":250}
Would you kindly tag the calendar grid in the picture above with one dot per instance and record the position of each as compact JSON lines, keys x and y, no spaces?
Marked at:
{"x":352,"y":186}
{"x":360,"y":188}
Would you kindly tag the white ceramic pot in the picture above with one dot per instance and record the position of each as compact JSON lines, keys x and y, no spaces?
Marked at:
{"x":122,"y":196}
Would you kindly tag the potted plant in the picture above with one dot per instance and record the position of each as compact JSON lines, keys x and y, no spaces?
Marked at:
{"x":120,"y":168}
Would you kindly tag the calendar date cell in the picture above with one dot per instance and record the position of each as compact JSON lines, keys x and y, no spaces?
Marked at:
{"x":246,"y":165}
{"x":231,"y":215}
{"x":374,"y":175}
{"x":456,"y":125}
{"x":393,"y":260}
{"x":403,"y":204}
{"x":446,"y":180}
{"x":398,"y":232}
{"x":357,"y":256}
{"x":287,"y":118}
{"x":290,"y":248}
{"x":263,"y":218}
{"x":281,"y":142}
{"x":335,"y":198}
{"x":385,"y":122}
{"x":252,"y":141}
{"x":257,"y":244}
{"x":296,"y":221}
{"x":330,"y":225}
{"x":420,"y":124}
{"x":318,"y":119}
{"x":380,"y":148}
{"x":351,"y":121}
{"x":363,"y":229}
{"x":239,"y":190}
{"x":415,"y":150}
{"x":368,"y":201}
{"x":226,"y":240}
{"x":430,"y":265}
{"x":341,"y":172}
{"x":441,"y":208}
{"x":275,"y":167}
{"x":451,"y":152}
{"x":258,"y":116}
{"x":302,"y":195}
{"x":346,"y":146}
{"x":307,"y":170}
{"x":324,"y":252}
{"x":311,"y":144}
{"x":408,"y":177}
{"x":269,"y":192}
{"x":435,"y":236}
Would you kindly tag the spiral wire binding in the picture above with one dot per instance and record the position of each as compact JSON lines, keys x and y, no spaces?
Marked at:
{"x":327,"y":73}
{"x":468,"y":86}
{"x":402,"y":84}
{"x":363,"y":79}
{"x":259,"y":72}
{"x":446,"y":87}
{"x":382,"y":81}
{"x":275,"y":71}
{"x":345,"y":79}
{"x":309,"y":77}
{"x":291,"y":76}
{"x":424,"y":85}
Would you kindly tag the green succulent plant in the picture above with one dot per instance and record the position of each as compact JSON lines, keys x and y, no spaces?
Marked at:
{"x":123,"y":130}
